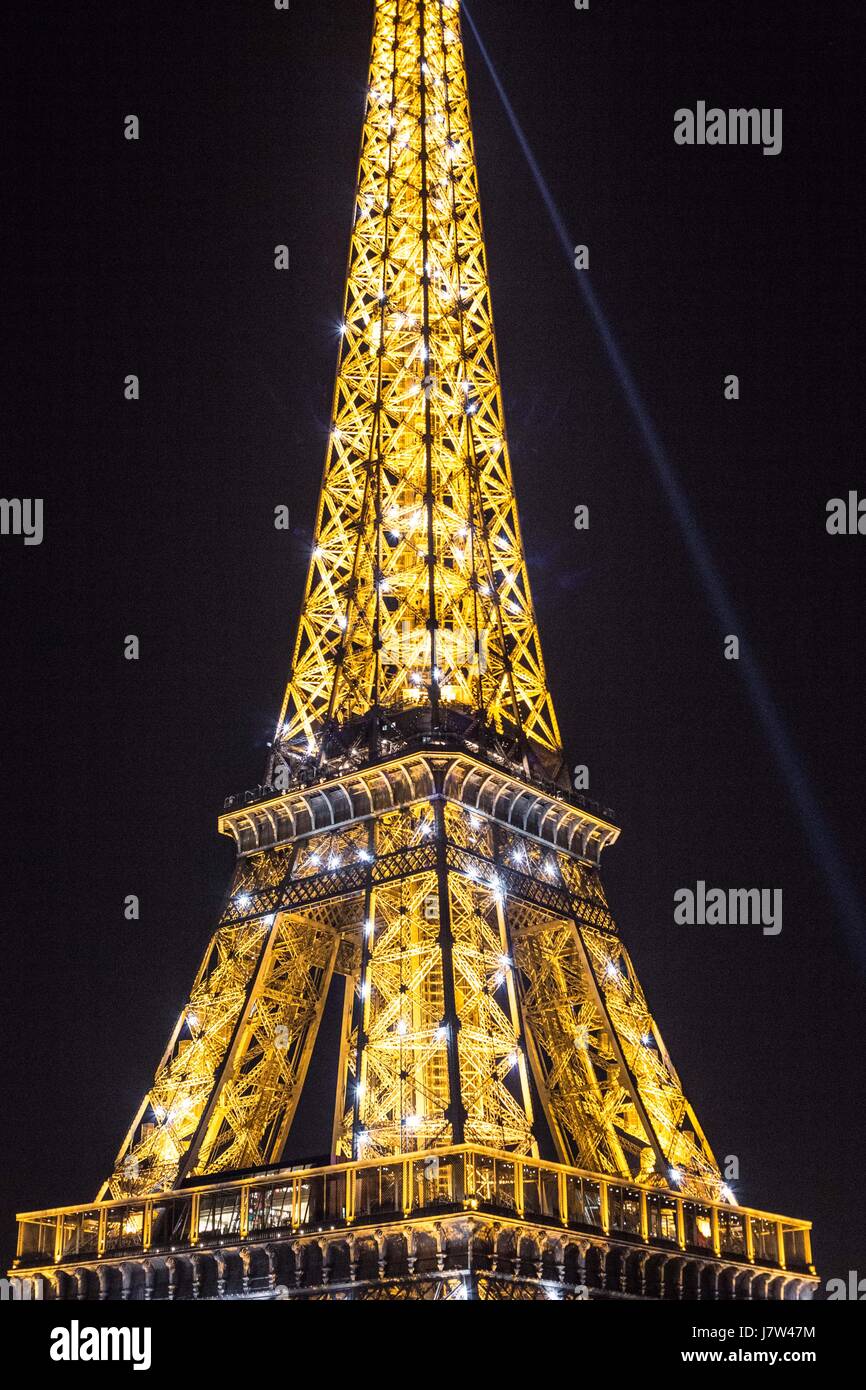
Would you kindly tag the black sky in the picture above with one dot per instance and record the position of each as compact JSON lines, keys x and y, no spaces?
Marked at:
{"x":157,"y":258}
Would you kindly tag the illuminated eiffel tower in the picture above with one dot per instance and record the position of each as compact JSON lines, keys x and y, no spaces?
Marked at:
{"x":507,"y":1122}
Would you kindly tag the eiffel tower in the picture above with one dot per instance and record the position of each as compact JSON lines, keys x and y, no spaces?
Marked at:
{"x":507,"y":1123}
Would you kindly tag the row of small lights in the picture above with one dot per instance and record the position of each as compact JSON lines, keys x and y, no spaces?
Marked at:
{"x":425,"y":830}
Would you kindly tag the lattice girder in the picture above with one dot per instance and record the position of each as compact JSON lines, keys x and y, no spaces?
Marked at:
{"x":417,"y":592}
{"x":487,"y":982}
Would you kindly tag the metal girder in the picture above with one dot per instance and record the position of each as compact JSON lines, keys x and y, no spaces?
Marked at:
{"x":612,"y":1098}
{"x":417,"y":592}
{"x":477,"y":957}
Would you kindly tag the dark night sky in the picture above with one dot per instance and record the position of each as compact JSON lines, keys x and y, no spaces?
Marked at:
{"x":157,"y":258}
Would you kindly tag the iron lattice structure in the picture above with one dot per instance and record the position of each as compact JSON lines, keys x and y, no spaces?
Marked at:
{"x":417,"y":594}
{"x":415,"y":843}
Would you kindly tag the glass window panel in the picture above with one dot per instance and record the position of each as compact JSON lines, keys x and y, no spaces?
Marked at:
{"x":335,"y":1197}
{"x":794,"y":1241}
{"x":438,"y":1181}
{"x":159,"y":1225}
{"x":624,"y":1209}
{"x":732,"y":1233}
{"x":87,"y":1233}
{"x":124,"y":1228}
{"x":549,"y":1192}
{"x":270,"y":1208}
{"x":366,"y":1191}
{"x":583,"y":1199}
{"x":662,"y":1219}
{"x":764,"y":1241}
{"x":171,"y":1222}
{"x":68,"y":1234}
{"x":698,"y":1222}
{"x":573,"y":1199}
{"x":485,"y":1179}
{"x":312,"y":1201}
{"x":37,"y":1237}
{"x":531,"y":1190}
{"x":505,"y":1198}
{"x":379,"y":1190}
{"x":219,"y":1214}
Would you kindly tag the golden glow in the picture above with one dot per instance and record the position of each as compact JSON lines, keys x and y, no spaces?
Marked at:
{"x":417,"y":588}
{"x":417,"y":596}
{"x":456,"y":898}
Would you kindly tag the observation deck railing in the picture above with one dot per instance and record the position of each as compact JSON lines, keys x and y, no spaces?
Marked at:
{"x":294,"y":1201}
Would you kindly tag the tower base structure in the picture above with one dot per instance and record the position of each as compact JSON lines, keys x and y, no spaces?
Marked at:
{"x":490,"y":1010}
